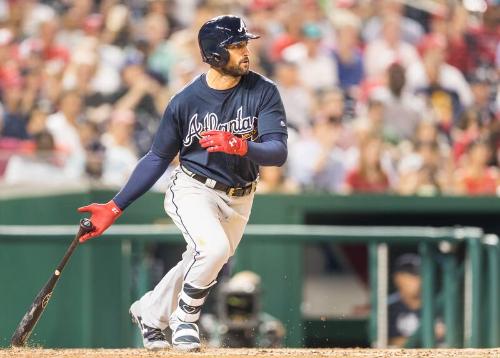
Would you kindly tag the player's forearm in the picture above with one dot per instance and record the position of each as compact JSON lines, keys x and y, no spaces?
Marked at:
{"x":272,"y":151}
{"x":148,"y":170}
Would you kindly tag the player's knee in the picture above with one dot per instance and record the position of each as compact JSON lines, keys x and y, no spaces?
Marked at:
{"x":219,"y":253}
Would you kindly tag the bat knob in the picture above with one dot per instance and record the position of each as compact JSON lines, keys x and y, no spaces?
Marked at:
{"x":86,"y":224}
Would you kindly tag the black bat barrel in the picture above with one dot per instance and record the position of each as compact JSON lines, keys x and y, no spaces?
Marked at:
{"x":36,"y":309}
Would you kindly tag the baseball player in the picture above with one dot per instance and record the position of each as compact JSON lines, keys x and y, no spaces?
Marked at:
{"x":223,"y":124}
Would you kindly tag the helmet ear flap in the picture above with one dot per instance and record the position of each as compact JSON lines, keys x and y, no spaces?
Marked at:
{"x":224,"y":56}
{"x":220,"y":58}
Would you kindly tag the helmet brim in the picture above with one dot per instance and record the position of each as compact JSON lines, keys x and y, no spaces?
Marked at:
{"x":251,"y":36}
{"x":244,"y":37}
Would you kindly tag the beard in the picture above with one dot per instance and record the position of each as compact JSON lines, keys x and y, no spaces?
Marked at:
{"x":236,"y":70}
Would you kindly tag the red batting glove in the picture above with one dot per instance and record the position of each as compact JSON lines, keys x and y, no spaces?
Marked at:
{"x":221,"y":141}
{"x":102,"y":216}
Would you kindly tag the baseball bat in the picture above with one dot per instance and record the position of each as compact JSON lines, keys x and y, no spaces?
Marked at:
{"x":36,"y":309}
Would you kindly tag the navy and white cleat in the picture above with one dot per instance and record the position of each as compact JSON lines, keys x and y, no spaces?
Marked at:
{"x":152,"y":338}
{"x":186,"y":337}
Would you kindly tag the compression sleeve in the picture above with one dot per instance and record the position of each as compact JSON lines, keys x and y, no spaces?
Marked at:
{"x":147,"y":171}
{"x":271,"y":151}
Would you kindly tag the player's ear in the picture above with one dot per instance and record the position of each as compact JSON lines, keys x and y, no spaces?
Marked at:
{"x":217,"y":58}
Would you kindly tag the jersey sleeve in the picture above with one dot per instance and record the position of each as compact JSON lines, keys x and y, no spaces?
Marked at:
{"x":167,"y":141}
{"x":272,"y":117}
{"x":271,"y":151}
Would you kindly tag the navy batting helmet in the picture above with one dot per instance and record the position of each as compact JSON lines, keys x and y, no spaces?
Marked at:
{"x":218,"y":33}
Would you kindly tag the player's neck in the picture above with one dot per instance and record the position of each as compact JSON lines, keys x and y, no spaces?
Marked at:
{"x":221,"y":81}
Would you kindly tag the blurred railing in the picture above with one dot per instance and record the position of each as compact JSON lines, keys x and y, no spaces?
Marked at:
{"x":477,"y":313}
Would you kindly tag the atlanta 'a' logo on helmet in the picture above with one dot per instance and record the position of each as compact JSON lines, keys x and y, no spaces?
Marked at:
{"x":243,"y":27}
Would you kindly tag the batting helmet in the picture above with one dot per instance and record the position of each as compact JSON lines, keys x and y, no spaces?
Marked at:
{"x":216,"y":34}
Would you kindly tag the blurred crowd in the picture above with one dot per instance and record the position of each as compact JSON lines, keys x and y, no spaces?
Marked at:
{"x":382,"y":96}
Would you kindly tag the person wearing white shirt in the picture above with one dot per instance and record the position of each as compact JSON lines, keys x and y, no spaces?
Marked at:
{"x":63,"y":125}
{"x":390,"y":48}
{"x":433,"y":70}
{"x":120,"y":156}
{"x":317,"y":68}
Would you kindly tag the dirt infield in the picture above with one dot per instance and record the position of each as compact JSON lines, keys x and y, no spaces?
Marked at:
{"x":271,"y":353}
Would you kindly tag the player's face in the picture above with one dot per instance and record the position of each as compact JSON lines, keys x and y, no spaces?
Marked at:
{"x":239,"y":60}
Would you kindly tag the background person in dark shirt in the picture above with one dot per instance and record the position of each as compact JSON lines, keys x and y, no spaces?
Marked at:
{"x":406,"y":302}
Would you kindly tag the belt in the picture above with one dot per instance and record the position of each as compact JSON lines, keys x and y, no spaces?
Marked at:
{"x":213,"y":184}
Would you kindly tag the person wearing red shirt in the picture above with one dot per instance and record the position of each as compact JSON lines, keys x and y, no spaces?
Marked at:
{"x":476,"y":177}
{"x":368,"y":176}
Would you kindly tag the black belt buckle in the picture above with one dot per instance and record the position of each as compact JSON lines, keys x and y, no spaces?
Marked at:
{"x":242,"y":191}
{"x":238,"y":191}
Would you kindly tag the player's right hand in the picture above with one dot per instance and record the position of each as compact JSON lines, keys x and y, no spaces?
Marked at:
{"x":102,"y":216}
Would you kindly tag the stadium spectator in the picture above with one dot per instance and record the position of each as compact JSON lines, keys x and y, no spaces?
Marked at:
{"x":14,"y":117}
{"x":45,"y":41}
{"x":138,"y":94}
{"x":411,"y":30}
{"x":388,"y":49}
{"x":443,"y":85}
{"x":422,"y":171}
{"x":325,"y":170}
{"x":487,"y":35}
{"x":317,"y":69}
{"x":331,"y":106}
{"x":368,"y":176}
{"x":475,"y":176}
{"x":160,"y":53}
{"x":483,"y":83}
{"x":406,"y":302}
{"x":90,"y":136}
{"x":373,"y":119}
{"x":297,"y":99}
{"x":289,"y":32}
{"x":468,"y":130}
{"x":400,"y":108}
{"x":274,"y":180}
{"x":347,"y":53}
{"x":462,"y":44}
{"x":425,"y":165}
{"x":120,"y":154}
{"x":64,"y":127}
{"x":41,"y":167}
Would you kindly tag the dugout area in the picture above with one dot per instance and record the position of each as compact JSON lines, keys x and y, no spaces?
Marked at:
{"x":90,"y":304}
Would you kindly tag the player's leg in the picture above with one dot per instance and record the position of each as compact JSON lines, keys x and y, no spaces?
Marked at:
{"x":152,"y":311}
{"x":194,"y":209}
{"x":233,"y":215}
{"x":157,"y":305}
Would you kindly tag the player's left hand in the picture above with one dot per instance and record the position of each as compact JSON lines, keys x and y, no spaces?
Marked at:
{"x":221,"y":141}
{"x":102,"y":217}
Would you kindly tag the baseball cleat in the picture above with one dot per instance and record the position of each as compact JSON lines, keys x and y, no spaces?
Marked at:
{"x":152,"y":338}
{"x":186,"y":337}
